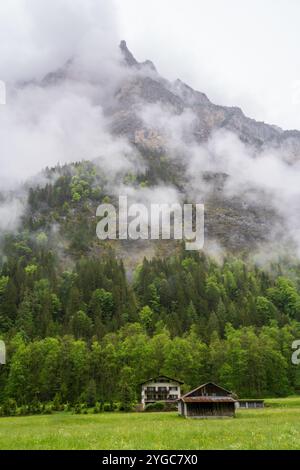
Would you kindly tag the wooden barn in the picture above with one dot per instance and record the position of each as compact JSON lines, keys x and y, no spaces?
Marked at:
{"x":207,"y":401}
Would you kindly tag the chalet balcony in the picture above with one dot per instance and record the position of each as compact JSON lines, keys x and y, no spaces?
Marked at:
{"x":160,"y":397}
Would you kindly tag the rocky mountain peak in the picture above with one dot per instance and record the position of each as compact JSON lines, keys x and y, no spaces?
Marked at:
{"x":131,"y":61}
{"x":127,"y":55}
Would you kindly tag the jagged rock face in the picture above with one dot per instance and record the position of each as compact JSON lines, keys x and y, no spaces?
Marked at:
{"x":130,"y":60}
{"x":178,"y":97}
{"x":231,"y":220}
{"x":144,"y":86}
{"x":128,"y":57}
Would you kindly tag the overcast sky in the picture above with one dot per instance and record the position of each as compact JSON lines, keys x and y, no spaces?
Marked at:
{"x":239,"y":52}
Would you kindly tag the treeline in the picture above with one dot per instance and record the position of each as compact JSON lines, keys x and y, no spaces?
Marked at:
{"x":90,"y":335}
{"x":191,"y":289}
{"x":90,"y":331}
{"x":39,"y":298}
{"x":79,"y":329}
{"x":65,"y":370}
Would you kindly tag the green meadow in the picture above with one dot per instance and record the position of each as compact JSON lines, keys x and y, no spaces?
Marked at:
{"x":275,"y":427}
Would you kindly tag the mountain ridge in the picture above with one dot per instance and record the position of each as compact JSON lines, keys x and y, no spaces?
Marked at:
{"x":212,"y":116}
{"x":148,"y":86}
{"x":143,"y":106}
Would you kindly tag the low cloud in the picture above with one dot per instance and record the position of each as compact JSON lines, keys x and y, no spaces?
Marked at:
{"x":267,"y":179}
{"x":11,"y":211}
{"x":58,"y":121}
{"x":63,"y":121}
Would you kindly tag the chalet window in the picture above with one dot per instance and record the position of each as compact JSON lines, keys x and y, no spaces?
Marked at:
{"x":150,"y":389}
{"x":172,"y":397}
{"x":173,"y":389}
{"x":162,"y":389}
{"x":151,"y":397}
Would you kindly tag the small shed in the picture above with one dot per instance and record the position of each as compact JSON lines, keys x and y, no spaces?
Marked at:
{"x":207,"y":401}
{"x":250,"y":404}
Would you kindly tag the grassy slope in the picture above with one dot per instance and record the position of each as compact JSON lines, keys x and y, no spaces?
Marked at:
{"x":271,"y":428}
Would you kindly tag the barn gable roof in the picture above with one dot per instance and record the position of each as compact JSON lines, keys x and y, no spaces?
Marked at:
{"x":204,"y":385}
{"x":159,"y":378}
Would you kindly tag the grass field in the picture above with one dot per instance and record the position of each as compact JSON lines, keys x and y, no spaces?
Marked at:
{"x":275,"y":427}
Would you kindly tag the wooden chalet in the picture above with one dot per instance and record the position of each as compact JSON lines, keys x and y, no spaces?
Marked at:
{"x":161,"y":388}
{"x":207,"y":401}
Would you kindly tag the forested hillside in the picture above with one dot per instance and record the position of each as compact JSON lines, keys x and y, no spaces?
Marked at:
{"x":79,"y":329}
{"x":85,"y":320}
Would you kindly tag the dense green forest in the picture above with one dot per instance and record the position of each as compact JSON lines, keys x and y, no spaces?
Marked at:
{"x":79,"y":329}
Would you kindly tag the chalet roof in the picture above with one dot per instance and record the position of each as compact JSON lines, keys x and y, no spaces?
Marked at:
{"x":207,"y":399}
{"x":204,"y":385}
{"x":159,"y":379}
